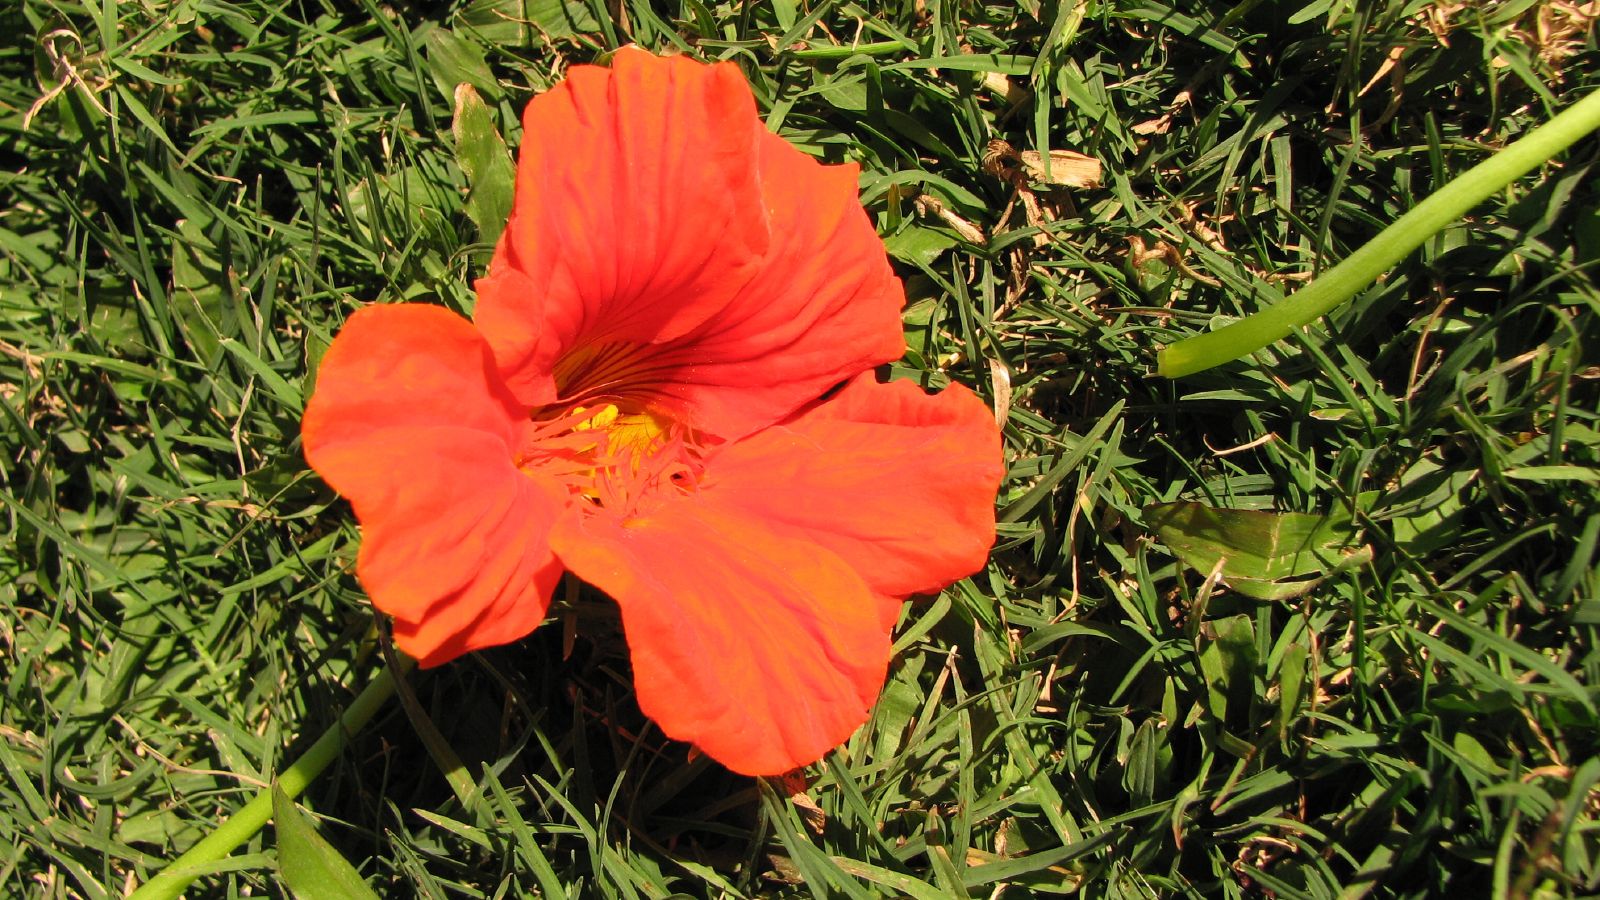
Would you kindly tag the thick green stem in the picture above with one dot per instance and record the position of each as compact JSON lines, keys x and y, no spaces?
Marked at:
{"x":1393,"y":244}
{"x":243,"y":825}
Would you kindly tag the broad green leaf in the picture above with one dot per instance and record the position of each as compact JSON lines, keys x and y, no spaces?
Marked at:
{"x":784,"y":11}
{"x":199,"y":289}
{"x":311,"y":868}
{"x":511,"y":21}
{"x":1142,"y":774}
{"x":397,"y":205}
{"x":904,"y":885}
{"x":1291,"y":683}
{"x":919,"y":245}
{"x":1006,"y":64}
{"x":896,"y":707}
{"x":455,"y":60}
{"x":1554,"y":473}
{"x":1228,"y":663}
{"x":1473,"y":751}
{"x":1265,"y":555}
{"x":1587,"y":612}
{"x":482,"y":155}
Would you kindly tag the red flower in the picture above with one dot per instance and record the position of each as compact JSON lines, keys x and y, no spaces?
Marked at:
{"x":644,"y":401}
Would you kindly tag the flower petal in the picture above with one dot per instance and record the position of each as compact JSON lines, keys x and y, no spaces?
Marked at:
{"x":408,"y":364}
{"x":410,"y":422}
{"x":762,"y":650}
{"x":633,"y":218}
{"x":657,"y":224}
{"x":898,"y":483}
{"x":824,"y":307}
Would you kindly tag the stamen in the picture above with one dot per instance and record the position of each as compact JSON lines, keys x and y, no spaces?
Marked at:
{"x":614,"y":457}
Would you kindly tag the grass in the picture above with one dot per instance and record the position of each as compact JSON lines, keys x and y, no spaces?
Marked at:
{"x":198,"y":193}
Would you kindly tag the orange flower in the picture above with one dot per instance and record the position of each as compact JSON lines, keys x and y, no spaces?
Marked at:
{"x":667,"y":392}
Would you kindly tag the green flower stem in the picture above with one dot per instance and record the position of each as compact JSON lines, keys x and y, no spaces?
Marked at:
{"x":243,"y":825}
{"x":1393,"y":244}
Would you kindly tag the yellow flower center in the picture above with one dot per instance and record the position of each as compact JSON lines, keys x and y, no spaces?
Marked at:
{"x":631,"y":435}
{"x":610,"y":455}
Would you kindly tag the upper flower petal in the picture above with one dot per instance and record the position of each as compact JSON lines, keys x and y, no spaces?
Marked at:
{"x":707,"y":265}
{"x":633,"y":219}
{"x":410,"y":422}
{"x":761,"y":649}
{"x":824,"y":306}
{"x":897,"y":482}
